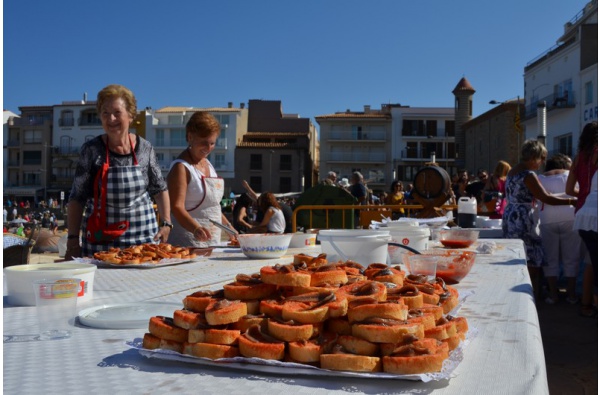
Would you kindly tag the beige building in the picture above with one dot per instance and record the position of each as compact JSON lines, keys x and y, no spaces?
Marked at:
{"x":493,"y":136}
{"x":28,"y":150}
{"x":358,"y":141}
{"x":279,"y":151}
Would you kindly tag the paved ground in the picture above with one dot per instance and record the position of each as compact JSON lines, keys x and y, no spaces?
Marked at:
{"x":570,"y":344}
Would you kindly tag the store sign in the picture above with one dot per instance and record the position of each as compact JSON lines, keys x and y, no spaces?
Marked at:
{"x":590,"y":113}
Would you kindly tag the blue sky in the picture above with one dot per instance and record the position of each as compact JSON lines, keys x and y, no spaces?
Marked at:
{"x":316,"y":56}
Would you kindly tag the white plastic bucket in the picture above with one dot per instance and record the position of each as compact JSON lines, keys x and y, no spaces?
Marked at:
{"x":361,"y":246}
{"x":62,"y":246}
{"x":414,"y":237}
{"x":20,"y":277}
{"x":301,"y":240}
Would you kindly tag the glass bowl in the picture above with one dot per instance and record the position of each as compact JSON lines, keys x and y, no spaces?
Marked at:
{"x":458,"y":238}
{"x":452,"y":265}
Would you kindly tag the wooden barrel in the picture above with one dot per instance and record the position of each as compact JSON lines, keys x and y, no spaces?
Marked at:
{"x":431,"y":182}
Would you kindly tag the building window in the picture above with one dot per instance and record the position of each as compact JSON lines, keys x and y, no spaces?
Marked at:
{"x":564,"y":144}
{"x":159,"y":138}
{"x":223,"y":119}
{"x":175,"y":119}
{"x":90,"y":118}
{"x":256,"y":183}
{"x":415,"y":127}
{"x":178,"y":138}
{"x":589,"y":92}
{"x":357,"y":132}
{"x":219,"y":161}
{"x":31,"y":178}
{"x":431,"y":127}
{"x":160,"y":157}
{"x":407,"y":173}
{"x":376,"y":176}
{"x":32,"y":137}
{"x":66,"y":118}
{"x":32,"y":157}
{"x":285,"y":184}
{"x":256,"y":163}
{"x":285,"y":162}
{"x":449,"y":128}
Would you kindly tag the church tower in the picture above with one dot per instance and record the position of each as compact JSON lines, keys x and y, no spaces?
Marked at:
{"x":463,"y":112}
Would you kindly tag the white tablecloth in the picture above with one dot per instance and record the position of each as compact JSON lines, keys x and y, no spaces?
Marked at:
{"x":505,"y":357}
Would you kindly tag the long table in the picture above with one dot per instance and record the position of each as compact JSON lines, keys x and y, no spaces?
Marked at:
{"x":505,"y":356}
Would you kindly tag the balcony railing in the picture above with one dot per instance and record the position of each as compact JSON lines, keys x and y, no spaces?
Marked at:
{"x":357,"y":157}
{"x":67,"y":151}
{"x":222,"y":143}
{"x":358,"y":136}
{"x":92,"y":122}
{"x":66,"y":122}
{"x":553,"y":102}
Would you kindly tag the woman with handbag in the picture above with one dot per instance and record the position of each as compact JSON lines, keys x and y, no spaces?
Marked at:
{"x":116,"y":175}
{"x":195,"y":189}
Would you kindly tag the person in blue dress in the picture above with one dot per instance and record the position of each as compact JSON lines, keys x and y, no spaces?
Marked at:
{"x":520,"y":219}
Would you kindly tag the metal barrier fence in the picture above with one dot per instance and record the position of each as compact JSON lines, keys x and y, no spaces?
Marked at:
{"x":367,"y":213}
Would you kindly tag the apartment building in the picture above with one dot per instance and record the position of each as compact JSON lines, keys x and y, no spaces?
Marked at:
{"x":564,"y":81}
{"x":421,"y":135}
{"x":27,"y":153}
{"x":279,"y":151}
{"x":74,"y":123}
{"x":385,"y":144}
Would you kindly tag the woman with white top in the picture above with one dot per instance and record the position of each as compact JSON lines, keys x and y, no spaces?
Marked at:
{"x":561,"y":243}
{"x":195,"y":189}
{"x":273,"y":219}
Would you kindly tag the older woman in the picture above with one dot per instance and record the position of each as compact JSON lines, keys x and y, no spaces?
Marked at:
{"x":520,"y":220}
{"x":116,"y":176}
{"x":195,"y":189}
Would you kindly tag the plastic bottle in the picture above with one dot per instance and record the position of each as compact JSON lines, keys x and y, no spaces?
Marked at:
{"x":467,"y":212}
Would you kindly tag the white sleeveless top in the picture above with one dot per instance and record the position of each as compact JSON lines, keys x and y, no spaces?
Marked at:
{"x":203,"y":203}
{"x":587,"y":216}
{"x":276,"y":222}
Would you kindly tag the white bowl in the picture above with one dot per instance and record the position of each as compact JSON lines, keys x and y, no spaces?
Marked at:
{"x":264,"y":245}
{"x":492,"y":223}
{"x":361,"y":246}
{"x":301,"y":240}
{"x":19,"y":280}
{"x":480,"y":221}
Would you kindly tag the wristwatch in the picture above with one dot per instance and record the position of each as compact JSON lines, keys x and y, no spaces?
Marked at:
{"x":166,"y":223}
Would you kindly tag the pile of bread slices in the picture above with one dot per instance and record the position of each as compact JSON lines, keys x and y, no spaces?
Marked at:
{"x":333,"y":315}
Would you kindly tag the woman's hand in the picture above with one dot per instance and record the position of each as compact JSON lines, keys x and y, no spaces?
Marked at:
{"x":202,"y":234}
{"x":73,"y":249}
{"x":163,"y":234}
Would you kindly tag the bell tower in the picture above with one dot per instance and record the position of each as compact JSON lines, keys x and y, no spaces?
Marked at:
{"x":463,"y":112}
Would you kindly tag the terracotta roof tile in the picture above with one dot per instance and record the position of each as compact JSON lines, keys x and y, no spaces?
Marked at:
{"x":176,"y":109}
{"x":463,"y":85}
{"x":354,"y":115}
{"x":256,"y":144}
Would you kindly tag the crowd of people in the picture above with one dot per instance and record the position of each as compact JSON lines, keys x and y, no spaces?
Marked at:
{"x":118,"y":178}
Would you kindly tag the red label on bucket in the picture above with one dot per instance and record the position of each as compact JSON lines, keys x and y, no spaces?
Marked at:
{"x":406,"y":241}
{"x":82,"y":287}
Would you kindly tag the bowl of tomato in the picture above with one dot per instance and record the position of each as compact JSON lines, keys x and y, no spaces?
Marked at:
{"x":458,"y":238}
{"x":452,"y":265}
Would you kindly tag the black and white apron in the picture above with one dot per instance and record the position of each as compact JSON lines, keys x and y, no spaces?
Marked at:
{"x":127,"y":199}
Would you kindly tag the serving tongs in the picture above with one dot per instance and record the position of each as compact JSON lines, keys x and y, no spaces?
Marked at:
{"x":225,"y":228}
